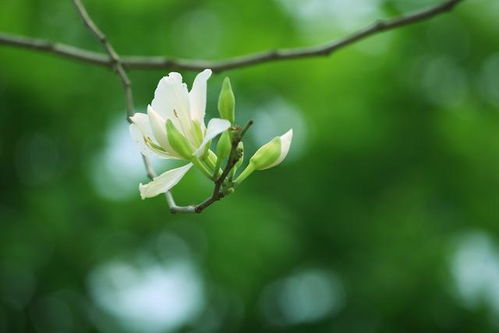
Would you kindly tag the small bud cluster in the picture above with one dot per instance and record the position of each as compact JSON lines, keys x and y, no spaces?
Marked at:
{"x":269,"y":155}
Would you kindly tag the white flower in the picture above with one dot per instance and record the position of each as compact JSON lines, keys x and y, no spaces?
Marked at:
{"x":186,"y":110}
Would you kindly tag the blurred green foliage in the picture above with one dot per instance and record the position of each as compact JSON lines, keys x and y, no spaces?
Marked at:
{"x":384,"y":218}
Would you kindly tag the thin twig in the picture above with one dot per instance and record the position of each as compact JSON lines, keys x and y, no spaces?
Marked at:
{"x":234,"y":156}
{"x":115,"y":60}
{"x":58,"y":49}
{"x":149,"y":62}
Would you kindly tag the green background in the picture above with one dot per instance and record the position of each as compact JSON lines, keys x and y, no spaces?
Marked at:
{"x":383,"y":218}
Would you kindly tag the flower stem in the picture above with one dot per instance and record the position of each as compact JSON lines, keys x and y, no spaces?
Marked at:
{"x":211,"y":159}
{"x":214,"y":163}
{"x":246,"y":172}
{"x":203,"y":167}
{"x":217,"y":171}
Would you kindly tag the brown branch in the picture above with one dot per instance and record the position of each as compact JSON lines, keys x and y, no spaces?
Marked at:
{"x":234,"y":157}
{"x":114,"y":59}
{"x":141,"y":62}
{"x":294,"y":53}
{"x":58,"y":49}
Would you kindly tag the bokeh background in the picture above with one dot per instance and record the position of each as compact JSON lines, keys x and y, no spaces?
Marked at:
{"x":383,"y":218}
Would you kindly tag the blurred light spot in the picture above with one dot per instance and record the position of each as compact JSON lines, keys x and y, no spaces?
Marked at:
{"x":443,"y":82}
{"x":307,"y":296}
{"x":489,"y":79}
{"x":38,"y":159}
{"x":147,"y":293}
{"x":485,"y":13}
{"x":117,"y":169}
{"x":475,"y":270}
{"x":321,"y":14}
{"x":411,"y":5}
{"x":275,"y":118}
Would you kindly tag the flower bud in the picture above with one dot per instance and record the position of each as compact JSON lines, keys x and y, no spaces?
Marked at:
{"x":227,"y":102}
{"x":240,"y":150}
{"x":224,"y":145}
{"x":267,"y":154}
{"x":178,"y":142}
{"x":285,"y":144}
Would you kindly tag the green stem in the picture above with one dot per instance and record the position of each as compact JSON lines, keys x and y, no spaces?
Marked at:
{"x":203,"y":167}
{"x":217,"y":171}
{"x":211,"y":159}
{"x":246,"y":172}
{"x":214,"y":163}
{"x":232,"y":172}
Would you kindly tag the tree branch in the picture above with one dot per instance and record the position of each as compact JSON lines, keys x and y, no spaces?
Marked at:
{"x":58,"y":49}
{"x":144,"y":62}
{"x":114,"y":59}
{"x":234,"y":156}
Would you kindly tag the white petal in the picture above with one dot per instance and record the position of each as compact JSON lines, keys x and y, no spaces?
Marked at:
{"x":215,"y":127}
{"x":177,"y":77}
{"x":171,"y":101}
{"x":164,"y":182}
{"x":197,"y":96}
{"x":158,"y":126}
{"x":161,"y":102}
{"x":141,"y":129}
{"x":142,"y":122}
{"x":138,"y":139}
{"x":286,"y":139}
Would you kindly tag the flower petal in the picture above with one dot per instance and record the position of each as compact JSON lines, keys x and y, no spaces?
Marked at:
{"x":141,"y":133}
{"x":197,"y":96}
{"x":138,"y":139}
{"x":171,"y":101}
{"x":164,"y":182}
{"x":215,"y":127}
{"x":158,"y":126}
{"x":139,"y":129}
{"x":142,"y":122}
{"x":286,"y":139}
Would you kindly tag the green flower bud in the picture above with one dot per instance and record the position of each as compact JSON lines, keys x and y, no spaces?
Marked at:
{"x":224,"y":145}
{"x":227,"y":102}
{"x":264,"y":158}
{"x":267,"y":154}
{"x":240,"y":149}
{"x":178,"y":142}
